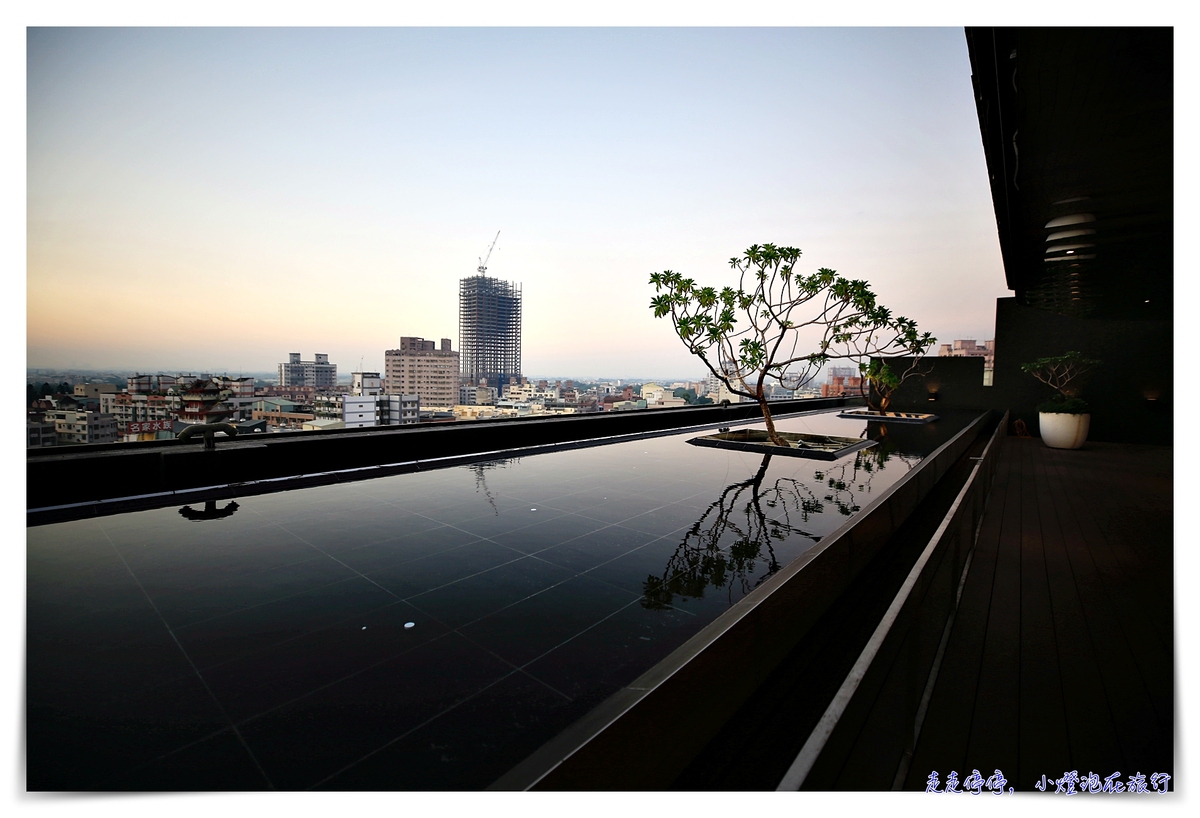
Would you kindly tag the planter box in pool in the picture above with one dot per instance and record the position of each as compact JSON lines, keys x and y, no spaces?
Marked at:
{"x":817,"y":447}
{"x":889,"y":417}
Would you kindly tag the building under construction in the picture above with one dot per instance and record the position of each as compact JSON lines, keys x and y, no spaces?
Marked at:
{"x":489,"y":330}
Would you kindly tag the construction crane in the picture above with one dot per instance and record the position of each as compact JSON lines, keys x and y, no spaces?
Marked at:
{"x":483,"y":261}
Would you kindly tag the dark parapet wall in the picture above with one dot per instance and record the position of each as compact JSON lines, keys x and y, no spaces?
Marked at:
{"x":955,"y":383}
{"x":60,"y":476}
{"x":1130,"y":393}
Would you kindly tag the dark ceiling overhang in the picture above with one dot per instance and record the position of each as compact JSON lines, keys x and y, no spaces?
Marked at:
{"x":1077,"y":132}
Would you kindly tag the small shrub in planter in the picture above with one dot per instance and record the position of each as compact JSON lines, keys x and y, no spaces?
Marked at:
{"x":1064,"y":418}
{"x":880,"y":381}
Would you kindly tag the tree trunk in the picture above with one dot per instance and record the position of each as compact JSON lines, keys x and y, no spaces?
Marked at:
{"x":771,"y":433}
{"x":869,"y":394}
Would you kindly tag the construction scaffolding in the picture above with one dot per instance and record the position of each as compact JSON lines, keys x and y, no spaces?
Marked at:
{"x":489,"y":330}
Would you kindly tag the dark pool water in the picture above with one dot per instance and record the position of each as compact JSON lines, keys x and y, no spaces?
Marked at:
{"x":268,"y":644}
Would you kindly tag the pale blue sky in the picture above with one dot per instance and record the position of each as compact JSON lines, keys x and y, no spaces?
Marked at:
{"x":215,"y":198}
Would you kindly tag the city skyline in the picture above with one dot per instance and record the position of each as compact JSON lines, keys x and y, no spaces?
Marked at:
{"x":299,"y":189}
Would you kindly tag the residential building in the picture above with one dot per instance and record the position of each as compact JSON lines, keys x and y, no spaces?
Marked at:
{"x":40,"y":433}
{"x":775,"y":391}
{"x":139,"y":416}
{"x":71,"y":426}
{"x":141,"y":384}
{"x":418,"y":367}
{"x":712,"y":386}
{"x":279,"y":420}
{"x":242,"y":406}
{"x":327,"y":406}
{"x":94,"y":390}
{"x":399,"y":410}
{"x":360,"y":410}
{"x":366,"y":383}
{"x":523,"y":392}
{"x":724,"y":393}
{"x":489,"y":330}
{"x":318,"y":373}
{"x":841,"y":385}
{"x":514,"y":408}
{"x":277,"y":405}
{"x":659,"y":397}
{"x":477,"y":395}
{"x":237,"y":387}
{"x":653,"y":393}
{"x":480,"y":412}
{"x":298,"y":394}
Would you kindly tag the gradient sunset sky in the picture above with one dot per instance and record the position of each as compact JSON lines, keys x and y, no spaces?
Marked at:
{"x":210,"y":199}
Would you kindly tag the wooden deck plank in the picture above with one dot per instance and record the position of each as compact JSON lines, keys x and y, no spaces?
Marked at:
{"x":1090,"y":730}
{"x":1044,"y":746}
{"x":1123,"y":505}
{"x":1059,"y":642}
{"x":1131,"y":669}
{"x":1128,"y":596}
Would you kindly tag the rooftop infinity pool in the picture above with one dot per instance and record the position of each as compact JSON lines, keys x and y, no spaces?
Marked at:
{"x":420,"y":631}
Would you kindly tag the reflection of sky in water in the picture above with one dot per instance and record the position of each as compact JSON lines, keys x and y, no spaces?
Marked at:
{"x":538,"y":586}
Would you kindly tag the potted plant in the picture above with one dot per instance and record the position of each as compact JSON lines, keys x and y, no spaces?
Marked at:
{"x":756,"y":331}
{"x":1064,"y":419}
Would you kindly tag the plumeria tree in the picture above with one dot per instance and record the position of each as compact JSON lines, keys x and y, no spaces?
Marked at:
{"x":779,"y":325}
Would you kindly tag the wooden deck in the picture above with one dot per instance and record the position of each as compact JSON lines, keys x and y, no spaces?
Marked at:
{"x":1062,"y":652}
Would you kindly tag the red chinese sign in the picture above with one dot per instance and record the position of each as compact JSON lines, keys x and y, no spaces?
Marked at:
{"x":142,"y":426}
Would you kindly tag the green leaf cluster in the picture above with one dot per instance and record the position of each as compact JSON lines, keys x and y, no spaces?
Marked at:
{"x":1064,"y":406}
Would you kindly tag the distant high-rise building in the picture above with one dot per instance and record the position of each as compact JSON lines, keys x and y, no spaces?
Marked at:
{"x":489,"y":330}
{"x":417,"y":367}
{"x":318,"y":372}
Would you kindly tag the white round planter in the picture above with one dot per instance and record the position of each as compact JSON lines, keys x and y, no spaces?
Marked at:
{"x":1063,"y":431}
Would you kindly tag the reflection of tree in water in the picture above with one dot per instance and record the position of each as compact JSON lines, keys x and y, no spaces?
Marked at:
{"x":850,"y":479}
{"x":481,"y":469}
{"x":755,"y":516}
